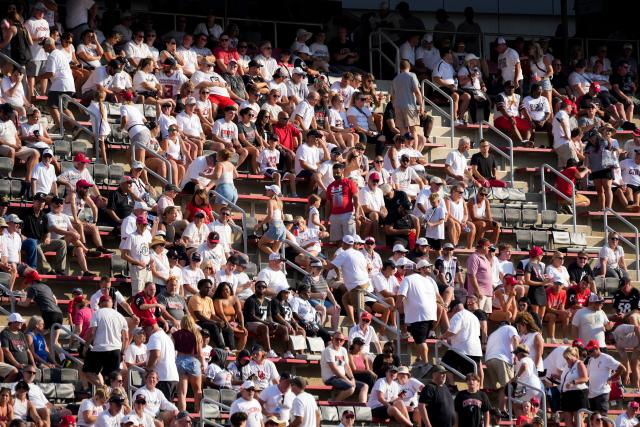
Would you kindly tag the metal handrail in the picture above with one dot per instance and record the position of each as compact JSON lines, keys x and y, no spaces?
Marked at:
{"x":381,"y":54}
{"x":153,"y":153}
{"x":543,"y":400}
{"x":449,"y":368}
{"x":55,"y":348}
{"x":587,"y":412}
{"x":545,"y":185}
{"x":132,"y":388}
{"x":296,"y":267}
{"x":300,"y":249}
{"x":397,"y":331}
{"x":239,"y":209}
{"x":203,"y":420}
{"x":495,"y":148}
{"x":448,"y":115}
{"x":25,"y":83}
{"x":12,"y":298}
{"x":608,"y":229}
{"x":66,"y":99}
{"x":478,"y":36}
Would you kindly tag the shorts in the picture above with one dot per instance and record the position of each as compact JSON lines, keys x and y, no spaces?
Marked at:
{"x":269,"y":172}
{"x":564,"y":153}
{"x":602,"y":174}
{"x":6,"y":369}
{"x":316,"y":302}
{"x":380,"y":413}
{"x":420,"y":330}
{"x":34,"y":68}
{"x":341,"y":225}
{"x":485,"y":304}
{"x":460,"y":364}
{"x":580,"y":198}
{"x":53,"y":98}
{"x":545,"y":84}
{"x":436,"y":244}
{"x":143,"y":137}
{"x":504,"y":124}
{"x":221,"y":101}
{"x":102,"y":362}
{"x":276,"y":231}
{"x":51,"y":317}
{"x":188,"y":365}
{"x":599,"y":403}
{"x":341,"y":384}
{"x":305,"y":174}
{"x":634,"y":188}
{"x":449,"y":91}
{"x":228,"y":191}
{"x":406,"y":117}
{"x":573,"y":400}
{"x":537,"y":295}
{"x":607,"y":99}
{"x":497,"y":374}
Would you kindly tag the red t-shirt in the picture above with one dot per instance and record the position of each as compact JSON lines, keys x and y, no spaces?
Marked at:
{"x":562,"y":185}
{"x":340,"y":193}
{"x":225,"y":55}
{"x":139,"y":299}
{"x":286,"y":133}
{"x":192,"y":208}
{"x":83,"y":317}
{"x":577,"y":297}
{"x":556,"y":301}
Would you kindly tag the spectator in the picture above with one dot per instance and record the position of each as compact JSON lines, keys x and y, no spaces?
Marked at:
{"x":158,"y":405}
{"x":483,"y":167}
{"x":160,"y":351}
{"x":630,"y":170}
{"x":509,"y":64}
{"x":602,"y":370}
{"x":556,"y":312}
{"x":10,"y":145}
{"x":499,"y":361}
{"x":525,"y":374}
{"x":385,"y":400}
{"x":341,"y":205}
{"x":444,"y":76}
{"x":304,"y":410}
{"x":628,"y":417}
{"x":57,"y":69}
{"x":507,"y":117}
{"x":611,"y":262}
{"x":472,"y":405}
{"x":591,"y":323}
{"x":470,"y":80}
{"x":15,"y":345}
{"x":436,"y":404}
{"x":352,"y":268}
{"x":573,"y":387}
{"x":407,"y":99}
{"x":337,"y":372}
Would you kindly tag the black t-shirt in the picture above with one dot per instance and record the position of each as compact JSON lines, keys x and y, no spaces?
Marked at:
{"x":400,"y":223}
{"x":577,"y":273}
{"x":282,"y":308}
{"x":471,"y":407}
{"x":254,"y":308}
{"x":389,"y":114}
{"x":536,"y":271}
{"x":43,"y":297}
{"x":623,"y":82}
{"x":337,"y":47}
{"x":485,"y":165}
{"x":35,"y":227}
{"x":623,"y":303}
{"x":399,"y":197}
{"x":120,"y":203}
{"x":439,"y":402}
{"x":481,"y":315}
{"x":559,"y":81}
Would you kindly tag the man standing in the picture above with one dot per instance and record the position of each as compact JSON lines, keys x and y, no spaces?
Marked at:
{"x":342,"y":202}
{"x":464,"y":336}
{"x":509,"y":63}
{"x":499,"y":361}
{"x":161,"y":357}
{"x":38,"y":29}
{"x":407,"y":99}
{"x":479,"y":275}
{"x":419,"y":296}
{"x":472,"y":405}
{"x":436,"y":402}
{"x":352,"y":267}
{"x":602,"y":370}
{"x":277,"y":399}
{"x":38,"y":240}
{"x":304,"y":411}
{"x":591,"y":322}
{"x":109,"y":335}
{"x":58,"y":70}
{"x":135,"y":250}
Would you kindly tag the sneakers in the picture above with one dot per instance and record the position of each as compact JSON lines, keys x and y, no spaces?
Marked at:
{"x":459,"y":122}
{"x":432,"y":335}
{"x":294,"y":195}
{"x":104,"y":250}
{"x":19,"y":294}
{"x":272,"y":354}
{"x":288,"y":355}
{"x":89,"y":274}
{"x":566,"y":209}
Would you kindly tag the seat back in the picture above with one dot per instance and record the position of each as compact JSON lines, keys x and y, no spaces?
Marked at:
{"x":540,"y":238}
{"x":228,"y":396}
{"x":549,"y":218}
{"x":523,"y":239}
{"x":6,"y":166}
{"x":529,"y":216}
{"x":512,"y":216}
{"x":561,"y":239}
{"x":329,"y":414}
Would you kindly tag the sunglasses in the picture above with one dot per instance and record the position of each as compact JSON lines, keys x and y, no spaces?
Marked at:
{"x":339,"y":339}
{"x":349,"y":416}
{"x":366,"y":320}
{"x":29,"y":372}
{"x":226,"y":213}
{"x":173,"y":130}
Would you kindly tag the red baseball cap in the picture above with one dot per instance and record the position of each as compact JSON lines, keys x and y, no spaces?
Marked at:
{"x":127,"y":95}
{"x":149,"y":322}
{"x":31,"y":277}
{"x":592,"y":344}
{"x":510,"y":280}
{"x":83,"y":183}
{"x":535,"y":251}
{"x":104,"y":298}
{"x":596,"y":87}
{"x":141,"y":220}
{"x":82,"y":158}
{"x":535,"y":401}
{"x":577,"y":343}
{"x":365,"y":315}
{"x":375,"y":176}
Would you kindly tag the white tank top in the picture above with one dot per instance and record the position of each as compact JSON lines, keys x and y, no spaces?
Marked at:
{"x":387,"y":161}
{"x":20,"y":409}
{"x":80,"y":203}
{"x":173,"y":149}
{"x":529,"y":339}
{"x":457,"y":209}
{"x":277,"y":215}
{"x":480,"y":210}
{"x":568,"y":376}
{"x":539,"y":69}
{"x":226,"y":178}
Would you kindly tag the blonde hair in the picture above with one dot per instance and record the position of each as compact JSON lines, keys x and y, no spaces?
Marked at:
{"x":433,"y":197}
{"x":572,"y":351}
{"x":101,"y":393}
{"x":189,"y":324}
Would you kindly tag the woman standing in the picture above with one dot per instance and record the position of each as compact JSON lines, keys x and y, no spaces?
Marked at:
{"x":526,"y":375}
{"x":535,"y":278}
{"x":573,"y":387}
{"x":223,"y":175}
{"x":190,"y":362}
{"x":601,"y":159}
{"x":541,"y":70}
{"x":176,"y":152}
{"x":531,"y":336}
{"x":227,"y":307}
{"x":134,"y":122}
{"x":160,"y":269}
{"x":272,"y":239}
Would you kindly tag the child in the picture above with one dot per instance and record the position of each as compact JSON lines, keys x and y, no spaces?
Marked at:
{"x":100,"y":122}
{"x":313,"y":217}
{"x":435,"y":217}
{"x":269,"y":159}
{"x":206,"y":348}
{"x":216,"y":375}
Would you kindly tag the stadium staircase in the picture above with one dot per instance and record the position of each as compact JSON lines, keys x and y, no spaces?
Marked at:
{"x":523,"y":221}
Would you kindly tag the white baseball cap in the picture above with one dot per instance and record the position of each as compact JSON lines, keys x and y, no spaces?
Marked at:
{"x":348,"y":239}
{"x":470,"y":57}
{"x":423,"y":263}
{"x":299,"y":70}
{"x":304,"y":49}
{"x":274,"y":256}
{"x":15,"y":317}
{"x":357,"y":239}
{"x":428,"y":38}
{"x":248,"y":384}
{"x":422,"y":242}
{"x":137,"y":165}
{"x":404,"y":262}
{"x":501,"y":40}
{"x":399,"y":248}
{"x":48,"y":151}
{"x":140,"y":205}
{"x":275,"y":188}
{"x":131,"y":418}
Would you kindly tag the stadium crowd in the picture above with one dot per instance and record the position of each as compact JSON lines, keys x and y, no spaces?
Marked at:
{"x":226,"y":108}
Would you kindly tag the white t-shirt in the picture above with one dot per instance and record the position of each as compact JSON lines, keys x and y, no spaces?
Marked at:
{"x":38,"y":29}
{"x":354,"y":268}
{"x":368,"y":336}
{"x":171,"y":83}
{"x":105,"y":419}
{"x":345,"y":92}
{"x":138,"y":246}
{"x":303,"y":309}
{"x":610,"y":255}
{"x":268,"y":159}
{"x":433,"y":215}
{"x":109,"y":325}
{"x":466,"y":329}
{"x":273,"y":110}
{"x":403,"y":178}
{"x":156,"y":401}
{"x":99,"y":76}
{"x":576,"y":78}
{"x":135,"y":354}
{"x":530,"y":375}
{"x":373,"y":199}
{"x":306,"y":113}
{"x":190,"y":59}
{"x":445,"y":72}
{"x":338,"y":357}
{"x":166,"y":367}
{"x":536,"y":107}
{"x":457,"y":161}
{"x":137,"y":51}
{"x":91,"y":50}
{"x":507,"y":61}
{"x":95,"y":299}
{"x":266,"y":373}
{"x":600,"y":369}
{"x":555,"y":362}
{"x":381,"y":283}
{"x":142,"y":77}
{"x":276,"y":280}
{"x":499,"y":344}
{"x":88,"y":405}
{"x":276,"y":402}
{"x":559,"y":136}
{"x":390,"y":392}
{"x":252,"y":408}
{"x":623,"y":420}
{"x":590,"y":324}
{"x":135,"y":119}
{"x":630,"y":171}
{"x":311,"y":155}
{"x":58,"y":64}
{"x":220,"y":377}
{"x":17,"y":99}
{"x":60,"y":221}
{"x":45,"y":176}
{"x":227,"y":131}
{"x":197,"y":166}
{"x":189,"y":124}
{"x":420,"y":298}
{"x":361,"y":115}
{"x":305,"y":406}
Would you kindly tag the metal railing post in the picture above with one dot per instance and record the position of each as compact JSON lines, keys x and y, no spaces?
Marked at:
{"x":635,"y":246}
{"x":544,"y":185}
{"x":244,"y":216}
{"x":448,"y":115}
{"x":543,"y":400}
{"x":55,"y":349}
{"x":70,"y":100}
{"x":509,"y":157}
{"x":300,"y":249}
{"x":165,"y":180}
{"x":203,"y":420}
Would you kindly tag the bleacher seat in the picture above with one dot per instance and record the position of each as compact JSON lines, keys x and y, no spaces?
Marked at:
{"x":548,"y":218}
{"x":228,"y":396}
{"x":79,"y":146}
{"x":529,"y":216}
{"x":118,"y":265}
{"x":498,"y":213}
{"x":5,"y":187}
{"x":6,"y":167}
{"x":59,"y":375}
{"x":116,"y":172}
{"x":329,"y":414}
{"x":100,"y":173}
{"x":523,"y":239}
{"x":363,"y":414}
{"x":561,"y":239}
{"x":62,"y":148}
{"x":512,"y":216}
{"x":17,"y":188}
{"x":540,"y":238}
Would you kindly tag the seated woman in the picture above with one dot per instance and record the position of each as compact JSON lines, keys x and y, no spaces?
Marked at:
{"x":360,"y":364}
{"x":480,"y":214}
{"x":227,"y":307}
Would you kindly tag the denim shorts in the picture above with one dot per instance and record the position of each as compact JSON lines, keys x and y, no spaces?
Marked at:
{"x":189,"y":365}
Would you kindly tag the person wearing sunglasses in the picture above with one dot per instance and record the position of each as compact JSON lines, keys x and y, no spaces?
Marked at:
{"x":266,"y":62}
{"x":336,"y":372}
{"x":611,"y":261}
{"x":200,"y":46}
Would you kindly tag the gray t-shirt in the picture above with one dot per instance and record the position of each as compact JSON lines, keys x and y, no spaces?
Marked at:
{"x":43,"y":297}
{"x":17,"y":344}
{"x":175,"y":305}
{"x":403,"y":90}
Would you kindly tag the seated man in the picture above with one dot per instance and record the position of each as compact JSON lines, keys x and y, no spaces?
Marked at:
{"x":537,"y":110}
{"x":15,"y":345}
{"x":444,"y":77}
{"x":507,"y":116}
{"x":372,"y":205}
{"x":483,"y":167}
{"x":336,"y":372}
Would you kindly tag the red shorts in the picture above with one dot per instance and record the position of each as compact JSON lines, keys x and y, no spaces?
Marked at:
{"x":221,"y":101}
{"x":504,"y":124}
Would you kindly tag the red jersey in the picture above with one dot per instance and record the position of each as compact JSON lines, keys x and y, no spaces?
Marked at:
{"x":287,"y":134}
{"x":562,"y":185}
{"x":575,"y":296}
{"x":556,"y":301}
{"x":340,"y":194}
{"x":139,"y":299}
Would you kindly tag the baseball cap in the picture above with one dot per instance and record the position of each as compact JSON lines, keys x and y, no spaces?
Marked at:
{"x":274,"y":256}
{"x":39,"y":6}
{"x":348,"y":239}
{"x":439,"y":369}
{"x":535,"y":251}
{"x":314,"y":132}
{"x":115,"y":397}
{"x":170,"y":62}
{"x":627,"y":46}
{"x":13,"y":218}
{"x":448,"y":246}
{"x":31,"y":276}
{"x":299,"y":70}
{"x":636,"y":132}
{"x":375,"y":176}
{"x":500,"y":40}
{"x":171,"y":187}
{"x":3,"y":223}
{"x":357,"y":238}
{"x":15,"y":317}
{"x":244,"y":355}
{"x":403,"y":370}
{"x":125,"y":178}
{"x":190,"y":101}
{"x":596,"y":86}
{"x":248,"y":385}
{"x":634,"y":404}
{"x":141,"y":220}
{"x":141,"y":398}
{"x":196,"y":256}
{"x":254,"y":63}
{"x":577,"y":343}
{"x":183,"y":415}
{"x":399,"y":248}
{"x":83,"y":183}
{"x":592,"y":344}
{"x":369,"y":239}
{"x":200,"y":213}
{"x":104,"y":298}
{"x":423,"y":263}
{"x":335,"y":151}
{"x":365,"y":315}
{"x":422,"y":242}
{"x":213,"y":237}
{"x":82,"y":158}
{"x":595,"y":298}
{"x":510,"y":280}
{"x":140,"y":205}
{"x":48,"y":152}
{"x":149,"y":322}
{"x":137,"y":165}
{"x":275,"y":188}
{"x":470,"y":57}
{"x":316,"y":264}
{"x":77,"y":291}
{"x":535,"y":401}
{"x":131,"y":418}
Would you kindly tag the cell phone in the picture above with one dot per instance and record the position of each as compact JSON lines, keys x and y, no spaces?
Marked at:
{"x":36,"y":132}
{"x":151,"y":217}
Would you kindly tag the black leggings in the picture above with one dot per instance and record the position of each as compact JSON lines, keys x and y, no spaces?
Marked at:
{"x":216,"y":333}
